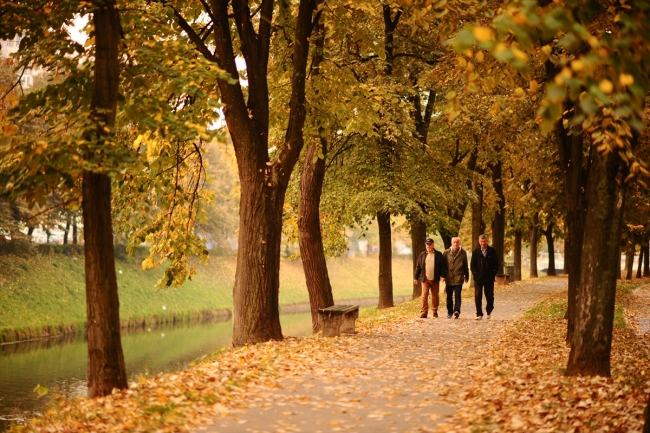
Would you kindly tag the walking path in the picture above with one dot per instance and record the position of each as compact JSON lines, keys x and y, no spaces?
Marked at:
{"x":392,"y":378}
{"x":638,"y":311}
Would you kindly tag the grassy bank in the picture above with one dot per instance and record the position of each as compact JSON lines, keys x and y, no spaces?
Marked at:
{"x":44,"y":294}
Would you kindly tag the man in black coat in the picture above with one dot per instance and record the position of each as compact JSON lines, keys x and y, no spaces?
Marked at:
{"x":484,"y":266}
{"x":430,"y":268}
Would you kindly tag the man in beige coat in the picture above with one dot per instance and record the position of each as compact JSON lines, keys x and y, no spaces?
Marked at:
{"x":457,"y":274}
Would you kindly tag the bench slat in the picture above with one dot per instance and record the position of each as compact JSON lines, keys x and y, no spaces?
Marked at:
{"x":338,"y":309}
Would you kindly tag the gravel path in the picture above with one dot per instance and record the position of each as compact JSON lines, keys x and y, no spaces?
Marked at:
{"x":386,"y":380}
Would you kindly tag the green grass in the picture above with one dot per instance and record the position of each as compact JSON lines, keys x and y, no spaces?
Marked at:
{"x":49,"y":290}
{"x":555,"y":307}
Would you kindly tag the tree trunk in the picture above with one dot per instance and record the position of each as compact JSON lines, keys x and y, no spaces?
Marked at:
{"x":385,"y":261}
{"x":646,"y":259}
{"x":67,"y":228}
{"x":518,"y":255}
{"x":592,"y":339}
{"x":446,"y":239}
{"x":263,"y":182}
{"x":629,"y":260}
{"x":533,"y":247}
{"x":499,"y":222}
{"x":106,"y":369}
{"x":548,"y":233}
{"x":570,"y":151}
{"x":310,"y":237}
{"x":646,"y":415}
{"x":75,"y":238}
{"x":418,"y":238}
{"x":477,"y":215}
{"x":639,"y":264}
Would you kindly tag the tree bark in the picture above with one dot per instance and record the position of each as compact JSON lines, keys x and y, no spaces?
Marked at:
{"x":477,"y":215}
{"x":67,"y":228}
{"x":646,"y":259}
{"x":106,"y":369}
{"x":263,"y":183}
{"x":310,"y":237}
{"x":570,"y":152}
{"x":533,"y":246}
{"x":418,"y":238}
{"x":629,"y":260}
{"x":592,"y":339}
{"x":75,"y":238}
{"x":639,"y":265}
{"x":385,"y":261}
{"x":548,"y":233}
{"x":518,"y":255}
{"x":499,"y":222}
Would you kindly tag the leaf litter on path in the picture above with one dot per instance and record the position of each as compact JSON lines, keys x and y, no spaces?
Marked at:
{"x":398,"y":373}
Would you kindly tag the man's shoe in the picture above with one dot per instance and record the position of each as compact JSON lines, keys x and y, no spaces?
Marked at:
{"x":479,"y":317}
{"x":488,"y":316}
{"x":423,"y":316}
{"x":456,"y":314}
{"x":435,"y":314}
{"x":448,"y":316}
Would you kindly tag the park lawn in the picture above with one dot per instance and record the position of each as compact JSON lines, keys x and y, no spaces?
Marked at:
{"x":49,"y":289}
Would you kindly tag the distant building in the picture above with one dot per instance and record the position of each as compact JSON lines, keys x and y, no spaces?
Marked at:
{"x":7,"y":48}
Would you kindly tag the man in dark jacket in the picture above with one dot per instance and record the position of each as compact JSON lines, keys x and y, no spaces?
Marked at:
{"x":457,"y":274}
{"x":430,"y":267}
{"x":484,"y":266}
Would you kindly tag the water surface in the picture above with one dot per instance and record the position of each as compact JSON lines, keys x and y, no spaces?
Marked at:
{"x":60,"y":364}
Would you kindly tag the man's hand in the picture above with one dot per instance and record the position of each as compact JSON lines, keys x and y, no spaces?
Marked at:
{"x":442,"y":279}
{"x":415,"y":281}
{"x":467,"y":280}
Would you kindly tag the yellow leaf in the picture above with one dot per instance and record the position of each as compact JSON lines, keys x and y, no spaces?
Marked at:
{"x":480,"y":56}
{"x":606,"y":86}
{"x":534,"y":86}
{"x":89,"y":42}
{"x":483,"y":34}
{"x":626,"y":79}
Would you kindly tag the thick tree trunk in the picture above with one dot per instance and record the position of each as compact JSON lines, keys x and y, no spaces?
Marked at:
{"x":310,"y":237}
{"x":592,"y":339}
{"x":385,"y":261}
{"x":570,"y":151}
{"x":263,"y":183}
{"x":533,"y":246}
{"x":499,"y":222}
{"x":629,"y":260}
{"x":106,"y":369}
{"x":548,"y":233}
{"x":478,"y":228}
{"x":446,"y":239}
{"x":418,"y":237}
{"x":518,"y":255}
{"x":639,"y":265}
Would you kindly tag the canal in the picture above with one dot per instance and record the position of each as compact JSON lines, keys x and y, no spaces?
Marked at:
{"x":60,"y":364}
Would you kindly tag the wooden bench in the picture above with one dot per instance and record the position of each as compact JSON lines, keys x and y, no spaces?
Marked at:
{"x":338,"y":319}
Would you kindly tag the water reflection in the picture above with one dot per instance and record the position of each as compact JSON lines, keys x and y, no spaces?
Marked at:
{"x":60,"y":364}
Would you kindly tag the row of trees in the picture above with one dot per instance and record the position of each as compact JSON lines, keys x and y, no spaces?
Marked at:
{"x":388,"y":108}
